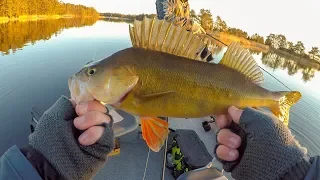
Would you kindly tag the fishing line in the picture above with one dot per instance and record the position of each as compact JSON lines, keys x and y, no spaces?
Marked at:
{"x":258,"y":65}
{"x":275,"y":78}
{"x":269,"y":74}
{"x":217,"y":39}
{"x":94,"y":55}
{"x":165,"y":155}
{"x":164,"y":158}
{"x":145,"y":169}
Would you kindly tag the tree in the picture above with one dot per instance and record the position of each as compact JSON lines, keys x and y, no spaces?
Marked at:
{"x":282,"y":41}
{"x":16,"y":8}
{"x":299,"y":48}
{"x":290,"y":46}
{"x":194,"y":16}
{"x":276,"y":41}
{"x":3,"y":8}
{"x":206,"y":20}
{"x":218,"y":23}
{"x":271,"y":39}
{"x":314,"y":52}
{"x":9,"y":6}
{"x":224,"y":27}
{"x":237,"y":32}
{"x":257,"y":38}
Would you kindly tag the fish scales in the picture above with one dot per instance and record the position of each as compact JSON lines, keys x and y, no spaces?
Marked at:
{"x":195,"y":86}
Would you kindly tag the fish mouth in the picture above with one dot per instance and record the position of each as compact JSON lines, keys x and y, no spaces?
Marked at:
{"x":78,"y":90}
{"x":123,"y":97}
{"x":120,"y":101}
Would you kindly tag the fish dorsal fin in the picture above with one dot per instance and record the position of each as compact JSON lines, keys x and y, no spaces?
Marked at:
{"x":159,"y":35}
{"x":240,"y":59}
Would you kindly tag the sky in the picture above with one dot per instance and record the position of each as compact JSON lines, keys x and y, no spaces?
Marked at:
{"x":297,"y":20}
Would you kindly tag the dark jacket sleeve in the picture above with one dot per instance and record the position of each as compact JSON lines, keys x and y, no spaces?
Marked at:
{"x":314,"y":171}
{"x":25,"y":163}
{"x":160,"y":9}
{"x":14,"y":165}
{"x":40,"y":164}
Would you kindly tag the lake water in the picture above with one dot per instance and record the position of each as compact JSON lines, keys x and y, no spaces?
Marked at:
{"x":38,"y":57}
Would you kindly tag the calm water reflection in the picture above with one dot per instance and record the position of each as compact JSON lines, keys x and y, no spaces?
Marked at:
{"x":48,"y":54}
{"x":16,"y":34}
{"x":275,"y":61}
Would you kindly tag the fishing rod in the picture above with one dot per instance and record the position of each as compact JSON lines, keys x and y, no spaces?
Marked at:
{"x":258,"y":65}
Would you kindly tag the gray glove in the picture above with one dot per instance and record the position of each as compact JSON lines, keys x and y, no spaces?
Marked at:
{"x":56,"y":138}
{"x":268,"y":149}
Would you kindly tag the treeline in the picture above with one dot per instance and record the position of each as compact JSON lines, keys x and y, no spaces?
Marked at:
{"x":205,"y":19}
{"x":15,"y":34}
{"x":127,"y":16}
{"x":279,"y":41}
{"x":16,"y":8}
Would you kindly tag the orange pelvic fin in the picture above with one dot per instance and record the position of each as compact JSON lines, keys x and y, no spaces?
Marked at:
{"x":154,"y":132}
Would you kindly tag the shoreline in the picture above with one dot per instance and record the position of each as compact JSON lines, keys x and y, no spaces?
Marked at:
{"x":252,"y":45}
{"x":116,"y":18}
{"x":39,"y":17}
{"x":228,"y":38}
{"x":224,"y":37}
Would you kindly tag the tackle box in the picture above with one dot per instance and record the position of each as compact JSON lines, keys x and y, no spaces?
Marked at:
{"x":186,"y":152}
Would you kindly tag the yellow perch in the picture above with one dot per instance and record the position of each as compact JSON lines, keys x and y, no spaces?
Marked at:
{"x":163,"y":75}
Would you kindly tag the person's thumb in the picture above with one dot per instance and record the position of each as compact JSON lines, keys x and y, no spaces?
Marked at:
{"x":235,"y":114}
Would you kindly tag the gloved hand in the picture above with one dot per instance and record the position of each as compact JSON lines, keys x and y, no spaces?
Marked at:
{"x":255,"y":145}
{"x":76,"y":147}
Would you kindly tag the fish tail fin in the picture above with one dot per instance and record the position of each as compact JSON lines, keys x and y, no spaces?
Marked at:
{"x":284,"y":102}
{"x":154,"y":132}
{"x":160,"y":35}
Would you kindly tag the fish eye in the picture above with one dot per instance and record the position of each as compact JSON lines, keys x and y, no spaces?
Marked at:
{"x":91,"y":71}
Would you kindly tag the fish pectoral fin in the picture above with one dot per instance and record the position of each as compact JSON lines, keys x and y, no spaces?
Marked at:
{"x":156,"y":94}
{"x":142,"y":98}
{"x":240,"y":59}
{"x":154,"y":132}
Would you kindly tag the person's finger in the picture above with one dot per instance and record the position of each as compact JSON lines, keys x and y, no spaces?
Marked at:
{"x":85,"y":107}
{"x":235,"y":113}
{"x":91,"y":136}
{"x":90,"y":119}
{"x":226,"y":153}
{"x":229,"y":139}
{"x":223,"y":121}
